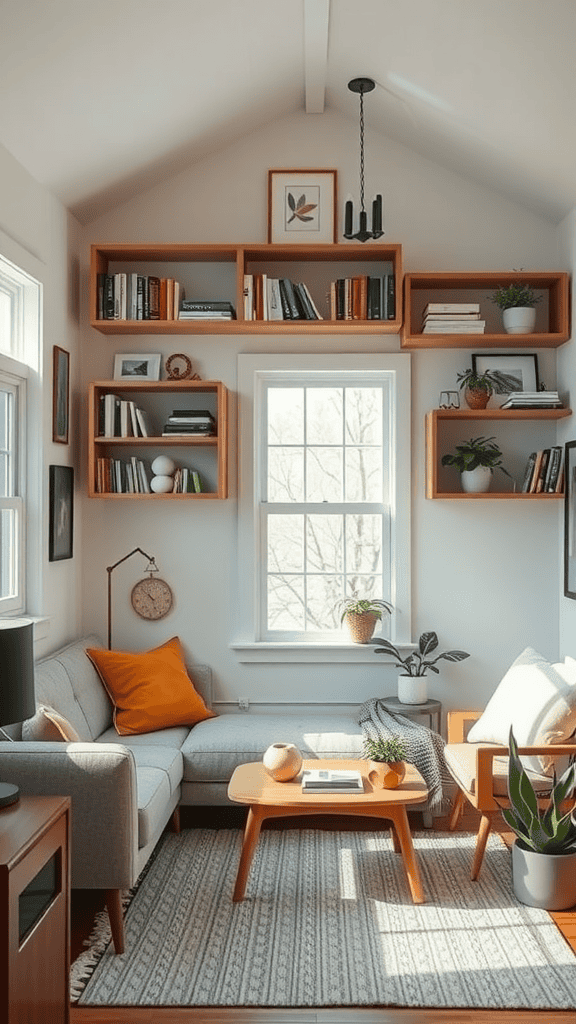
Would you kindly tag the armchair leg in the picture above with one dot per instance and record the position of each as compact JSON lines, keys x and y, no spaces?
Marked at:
{"x":456,"y":810}
{"x":116,"y":916}
{"x":481,"y":840}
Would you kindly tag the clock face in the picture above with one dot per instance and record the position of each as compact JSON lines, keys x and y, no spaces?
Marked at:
{"x":152,"y":598}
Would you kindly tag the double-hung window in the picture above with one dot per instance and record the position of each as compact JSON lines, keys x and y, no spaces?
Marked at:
{"x":12,"y":522}
{"x":324,"y":493}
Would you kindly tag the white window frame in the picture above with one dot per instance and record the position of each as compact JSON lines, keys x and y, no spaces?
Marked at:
{"x":254,"y":372}
{"x":15,"y":383}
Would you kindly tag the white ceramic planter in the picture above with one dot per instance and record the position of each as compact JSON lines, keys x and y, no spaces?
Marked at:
{"x":519,"y":319}
{"x":412,"y":689}
{"x":476,"y":481}
{"x":545,"y":880}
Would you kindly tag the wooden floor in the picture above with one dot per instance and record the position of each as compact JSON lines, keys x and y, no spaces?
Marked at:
{"x":86,"y":905}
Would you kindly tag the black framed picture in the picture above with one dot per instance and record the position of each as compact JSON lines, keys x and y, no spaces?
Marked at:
{"x":519,"y":370}
{"x":60,"y":394}
{"x":61,"y":513}
{"x":570,"y":520}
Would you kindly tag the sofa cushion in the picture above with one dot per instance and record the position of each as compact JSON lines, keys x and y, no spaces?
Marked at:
{"x":150,"y":690}
{"x":214,"y":749}
{"x":68,"y":682}
{"x":538,"y":700}
{"x":461,"y":760}
{"x":47,"y":724}
{"x":161,"y":738}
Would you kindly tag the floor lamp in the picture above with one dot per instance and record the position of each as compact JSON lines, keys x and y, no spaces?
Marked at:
{"x":17,"y":692}
{"x":151,"y":567}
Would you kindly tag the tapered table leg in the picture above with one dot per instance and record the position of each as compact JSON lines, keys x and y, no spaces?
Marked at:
{"x":400,"y":819}
{"x":254,"y":821}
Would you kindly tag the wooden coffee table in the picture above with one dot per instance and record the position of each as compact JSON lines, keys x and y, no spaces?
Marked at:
{"x":251,"y":784}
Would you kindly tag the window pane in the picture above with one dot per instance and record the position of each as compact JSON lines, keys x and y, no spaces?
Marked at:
{"x":323,"y":594}
{"x":364,"y":478}
{"x":286,"y":543}
{"x":364,"y":416}
{"x":285,"y":415}
{"x":8,"y":547}
{"x":324,"y":408}
{"x":5,"y":322}
{"x":285,"y":474}
{"x":286,"y":603}
{"x":324,"y":474}
{"x":363,"y":544}
{"x":324,"y":543}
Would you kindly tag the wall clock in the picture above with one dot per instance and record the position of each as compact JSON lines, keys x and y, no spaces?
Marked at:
{"x":152,"y":598}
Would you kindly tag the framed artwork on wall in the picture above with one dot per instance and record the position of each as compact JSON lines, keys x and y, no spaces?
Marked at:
{"x":302,"y":206}
{"x":520,"y":370}
{"x":570,"y":520}
{"x":61,"y":527}
{"x":134,"y":366}
{"x":60,"y":394}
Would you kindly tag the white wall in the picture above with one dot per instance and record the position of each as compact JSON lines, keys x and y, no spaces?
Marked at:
{"x":485,"y":574}
{"x":38,"y":234}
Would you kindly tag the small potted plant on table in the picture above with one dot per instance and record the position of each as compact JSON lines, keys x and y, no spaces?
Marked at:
{"x":476,"y":459}
{"x":517,"y":302}
{"x":386,"y":757}
{"x":361,"y":615}
{"x":412,"y":688}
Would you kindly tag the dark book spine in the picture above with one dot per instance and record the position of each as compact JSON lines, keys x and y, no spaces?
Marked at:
{"x":108,"y":298}
{"x":340,"y":298}
{"x":391,"y":291}
{"x":141,"y":288}
{"x":373,"y":298}
{"x":291,"y":299}
{"x":154,"y":297}
{"x":528,"y":473}
{"x":304,"y":302}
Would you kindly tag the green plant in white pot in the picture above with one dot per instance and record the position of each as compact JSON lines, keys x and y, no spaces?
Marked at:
{"x":544,"y":851}
{"x":361,"y":616}
{"x":476,"y":460}
{"x":517,"y":302}
{"x":412,"y":684}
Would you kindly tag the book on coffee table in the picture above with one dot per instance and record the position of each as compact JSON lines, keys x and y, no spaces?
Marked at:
{"x":333,"y":780}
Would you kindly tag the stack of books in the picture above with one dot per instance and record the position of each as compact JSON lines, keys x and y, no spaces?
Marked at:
{"x":532,"y":400}
{"x":452,"y":318}
{"x":191,"y":309}
{"x":336,"y":780}
{"x":183,"y":422}
{"x":186,"y":481}
{"x":544,"y":473}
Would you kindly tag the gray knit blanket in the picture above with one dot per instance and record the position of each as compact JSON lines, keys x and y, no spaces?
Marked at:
{"x":425,"y":749}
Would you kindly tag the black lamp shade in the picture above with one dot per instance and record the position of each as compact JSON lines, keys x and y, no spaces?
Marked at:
{"x":17,"y":694}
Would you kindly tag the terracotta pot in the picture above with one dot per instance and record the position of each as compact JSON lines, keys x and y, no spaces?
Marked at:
{"x":361,"y":627}
{"x":476,"y":398}
{"x":386,"y":776}
{"x":282,"y":761}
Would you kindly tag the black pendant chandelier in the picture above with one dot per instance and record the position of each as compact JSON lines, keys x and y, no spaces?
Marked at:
{"x":362,"y":85}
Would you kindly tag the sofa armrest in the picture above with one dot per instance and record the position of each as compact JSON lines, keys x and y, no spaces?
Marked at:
{"x":100,"y":778}
{"x":456,"y":724}
{"x":485,"y":756}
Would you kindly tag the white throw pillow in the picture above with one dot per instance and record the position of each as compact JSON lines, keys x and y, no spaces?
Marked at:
{"x":538,"y":700}
{"x":48,"y":725}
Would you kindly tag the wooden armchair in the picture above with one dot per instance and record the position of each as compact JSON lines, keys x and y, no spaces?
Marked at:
{"x":480,"y":770}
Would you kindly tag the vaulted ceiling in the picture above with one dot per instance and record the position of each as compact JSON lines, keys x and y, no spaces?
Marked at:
{"x":98,"y":93}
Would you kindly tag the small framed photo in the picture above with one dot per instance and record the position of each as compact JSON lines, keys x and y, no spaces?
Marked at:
{"x":570,"y":520}
{"x":137,"y":367}
{"x":60,"y":394}
{"x":519,"y":371}
{"x":302,"y":206}
{"x":61,"y":513}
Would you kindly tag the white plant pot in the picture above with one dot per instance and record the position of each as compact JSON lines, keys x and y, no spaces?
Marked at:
{"x":412,"y":689}
{"x":476,"y":481}
{"x":519,"y":319}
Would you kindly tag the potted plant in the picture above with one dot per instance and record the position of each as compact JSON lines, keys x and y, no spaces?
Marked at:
{"x":361,"y":615}
{"x":480,"y":386}
{"x":412,"y":683}
{"x":386,"y":757}
{"x":517,"y":302}
{"x":544,"y":851}
{"x":476,"y":460}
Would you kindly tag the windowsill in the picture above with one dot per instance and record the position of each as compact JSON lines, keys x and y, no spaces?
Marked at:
{"x":336,"y":652}
{"x":41,"y":624}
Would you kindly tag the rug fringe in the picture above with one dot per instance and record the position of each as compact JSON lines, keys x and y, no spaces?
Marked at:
{"x":98,"y":941}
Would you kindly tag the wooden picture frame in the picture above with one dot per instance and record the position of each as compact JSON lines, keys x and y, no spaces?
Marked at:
{"x":302,"y":206}
{"x":137,"y":366}
{"x":61,"y":535}
{"x":570,"y":520}
{"x":60,"y":394}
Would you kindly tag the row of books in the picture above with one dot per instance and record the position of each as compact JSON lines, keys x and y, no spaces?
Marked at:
{"x":124,"y":296}
{"x":532,"y":400}
{"x":363,"y":298}
{"x":133,"y":476}
{"x":452,"y":318}
{"x":184,"y":422}
{"x":271,"y":298}
{"x":544,"y":473}
{"x":119,"y":417}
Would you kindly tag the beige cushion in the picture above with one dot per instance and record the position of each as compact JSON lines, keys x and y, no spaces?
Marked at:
{"x":461,"y":760}
{"x":538,"y":700}
{"x":48,"y":725}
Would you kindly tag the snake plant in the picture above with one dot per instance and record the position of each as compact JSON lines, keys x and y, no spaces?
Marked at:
{"x":545,"y":831}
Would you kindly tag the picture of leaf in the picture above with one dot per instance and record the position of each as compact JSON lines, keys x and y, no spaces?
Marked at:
{"x":300,"y":208}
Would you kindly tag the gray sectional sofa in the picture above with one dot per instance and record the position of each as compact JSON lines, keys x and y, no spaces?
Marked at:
{"x":126,"y":789}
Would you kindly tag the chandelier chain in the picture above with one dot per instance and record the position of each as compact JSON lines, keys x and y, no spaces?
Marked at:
{"x":362,"y":150}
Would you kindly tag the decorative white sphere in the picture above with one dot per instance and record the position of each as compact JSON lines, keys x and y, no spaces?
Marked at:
{"x":161,"y":484}
{"x":163,"y":466}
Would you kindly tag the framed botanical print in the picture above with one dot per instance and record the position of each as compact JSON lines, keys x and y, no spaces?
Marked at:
{"x":302,"y":206}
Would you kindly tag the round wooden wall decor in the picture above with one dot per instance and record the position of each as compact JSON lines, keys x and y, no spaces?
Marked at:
{"x":183,"y":372}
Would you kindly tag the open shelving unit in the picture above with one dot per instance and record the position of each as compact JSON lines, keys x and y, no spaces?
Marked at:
{"x":208,"y":455}
{"x":552,"y":312}
{"x":216,"y":272}
{"x":439,"y":419}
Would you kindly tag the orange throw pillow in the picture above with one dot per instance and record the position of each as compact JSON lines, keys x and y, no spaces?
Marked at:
{"x":151,"y":690}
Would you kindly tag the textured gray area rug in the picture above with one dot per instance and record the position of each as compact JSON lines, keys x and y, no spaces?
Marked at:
{"x":328,"y":921}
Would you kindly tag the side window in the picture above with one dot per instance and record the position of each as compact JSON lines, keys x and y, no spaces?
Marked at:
{"x":12,"y":521}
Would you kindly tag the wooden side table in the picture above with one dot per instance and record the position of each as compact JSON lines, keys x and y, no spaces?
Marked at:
{"x":35,"y":910}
